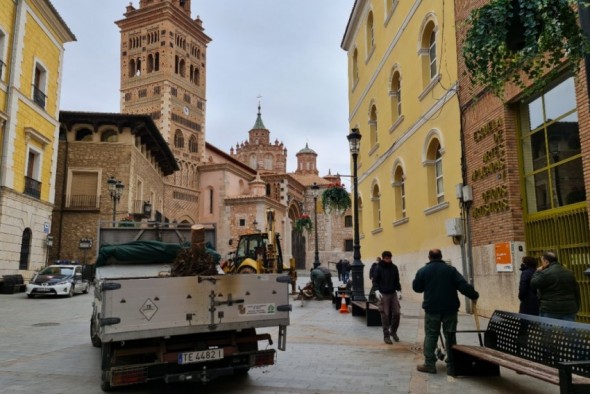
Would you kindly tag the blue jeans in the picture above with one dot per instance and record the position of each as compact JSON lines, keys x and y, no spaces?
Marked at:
{"x":568,"y":317}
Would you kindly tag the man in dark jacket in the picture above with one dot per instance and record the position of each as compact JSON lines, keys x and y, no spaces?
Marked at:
{"x":559,"y":293}
{"x":386,"y":284}
{"x":440,"y":282}
{"x":529,"y":302}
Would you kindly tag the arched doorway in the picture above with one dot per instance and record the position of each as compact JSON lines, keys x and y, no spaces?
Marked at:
{"x":298,"y":242}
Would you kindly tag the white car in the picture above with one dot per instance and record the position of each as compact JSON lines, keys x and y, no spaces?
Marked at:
{"x":58,"y":279}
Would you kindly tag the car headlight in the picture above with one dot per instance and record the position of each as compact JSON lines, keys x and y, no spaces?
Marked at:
{"x":63,"y":282}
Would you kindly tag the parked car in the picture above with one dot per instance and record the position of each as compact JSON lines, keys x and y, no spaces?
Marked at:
{"x":58,"y":279}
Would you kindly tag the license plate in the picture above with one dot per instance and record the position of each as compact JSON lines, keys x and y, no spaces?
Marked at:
{"x":43,"y":289}
{"x":200,"y":356}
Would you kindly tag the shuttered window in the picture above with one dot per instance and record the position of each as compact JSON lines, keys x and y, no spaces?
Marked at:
{"x":84,"y":190}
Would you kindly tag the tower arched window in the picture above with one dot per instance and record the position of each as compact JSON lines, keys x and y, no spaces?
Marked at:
{"x":150,"y":63}
{"x":131,"y":68}
{"x":178,"y":139}
{"x":268,"y":162}
{"x":192,"y":144}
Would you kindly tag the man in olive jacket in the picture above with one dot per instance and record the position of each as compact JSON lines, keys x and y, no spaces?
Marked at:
{"x":440,"y":282}
{"x":559,"y":293}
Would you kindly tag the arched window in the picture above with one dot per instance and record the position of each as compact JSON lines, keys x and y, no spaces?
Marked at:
{"x":370,"y":34}
{"x":192,"y":144}
{"x":355,"y":67}
{"x":131,"y":68}
{"x":268,"y":161}
{"x":176,"y":66}
{"x":253,"y":163}
{"x":373,"y":126}
{"x":84,"y":135}
{"x":157,"y":61}
{"x":399,"y":185}
{"x":25,"y":249}
{"x":395,"y":93}
{"x":435,"y":172}
{"x":376,"y":203}
{"x":109,"y":136}
{"x":197,"y":76}
{"x":178,"y":139}
{"x":181,"y":68}
{"x":428,"y":53}
{"x":150,"y":63}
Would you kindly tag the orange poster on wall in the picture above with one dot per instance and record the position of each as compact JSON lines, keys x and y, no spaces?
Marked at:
{"x":503,"y":257}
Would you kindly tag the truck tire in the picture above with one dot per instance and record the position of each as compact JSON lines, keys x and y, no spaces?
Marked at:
{"x":246,"y":347}
{"x":105,"y":383}
{"x":96,"y":342}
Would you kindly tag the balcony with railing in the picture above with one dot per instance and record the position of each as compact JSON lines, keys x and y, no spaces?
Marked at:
{"x":39,"y":97}
{"x":32,"y":187}
{"x":82,"y":202}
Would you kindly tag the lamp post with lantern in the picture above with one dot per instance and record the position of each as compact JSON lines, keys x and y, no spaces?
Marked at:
{"x":116,"y":191}
{"x":315,"y":192}
{"x":358,"y":281}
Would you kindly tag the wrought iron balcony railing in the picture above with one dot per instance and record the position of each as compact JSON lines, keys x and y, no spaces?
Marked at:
{"x":39,"y":97}
{"x":32,"y":187}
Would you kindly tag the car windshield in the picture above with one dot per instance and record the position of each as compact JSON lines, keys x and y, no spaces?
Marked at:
{"x":65,"y":271}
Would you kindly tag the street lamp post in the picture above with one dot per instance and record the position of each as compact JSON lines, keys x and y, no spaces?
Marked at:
{"x":357,"y":267}
{"x":116,"y":190}
{"x":315,"y":191}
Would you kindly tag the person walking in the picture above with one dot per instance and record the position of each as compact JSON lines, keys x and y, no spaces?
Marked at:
{"x":558,"y":290}
{"x":371,"y":273}
{"x":529,"y":302}
{"x":339,"y":269}
{"x":345,"y":270}
{"x":440,"y":282}
{"x":386,"y":284}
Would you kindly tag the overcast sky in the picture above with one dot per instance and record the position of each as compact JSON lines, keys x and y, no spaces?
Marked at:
{"x":287,"y":51}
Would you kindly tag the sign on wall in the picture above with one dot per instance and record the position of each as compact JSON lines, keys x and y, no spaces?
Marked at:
{"x":504,"y":257}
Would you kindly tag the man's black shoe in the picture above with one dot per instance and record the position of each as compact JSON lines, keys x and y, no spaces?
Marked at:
{"x":387,"y":340}
{"x":395,"y":337}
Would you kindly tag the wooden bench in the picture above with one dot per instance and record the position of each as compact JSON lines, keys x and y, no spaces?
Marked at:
{"x":555,"y":351}
{"x":368,"y":310}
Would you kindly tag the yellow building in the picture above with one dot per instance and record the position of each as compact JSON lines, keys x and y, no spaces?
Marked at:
{"x":402,"y":97}
{"x":32,"y":35}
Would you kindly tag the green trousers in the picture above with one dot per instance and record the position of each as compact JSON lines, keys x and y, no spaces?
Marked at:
{"x":432,"y":326}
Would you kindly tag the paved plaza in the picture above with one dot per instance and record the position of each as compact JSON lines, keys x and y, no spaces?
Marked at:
{"x":45,"y":348}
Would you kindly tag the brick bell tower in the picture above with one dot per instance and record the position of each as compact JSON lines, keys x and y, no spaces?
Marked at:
{"x":163,"y":74}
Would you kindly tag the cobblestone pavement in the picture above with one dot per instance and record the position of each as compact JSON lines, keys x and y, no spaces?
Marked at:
{"x":45,"y":348}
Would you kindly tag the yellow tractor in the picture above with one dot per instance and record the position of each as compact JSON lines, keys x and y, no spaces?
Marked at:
{"x":260,"y":253}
